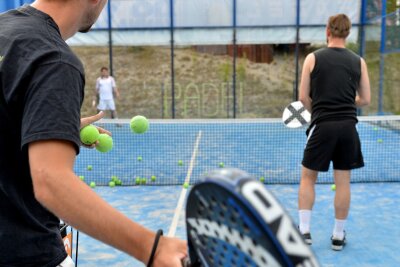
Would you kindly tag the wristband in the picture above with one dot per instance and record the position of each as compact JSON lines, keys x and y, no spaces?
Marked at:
{"x":153,"y":250}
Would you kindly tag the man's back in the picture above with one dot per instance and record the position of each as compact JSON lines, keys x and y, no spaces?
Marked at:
{"x":334,"y":82}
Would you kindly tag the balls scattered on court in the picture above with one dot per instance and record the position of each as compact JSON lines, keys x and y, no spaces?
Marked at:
{"x":139,"y":158}
{"x":82,"y":177}
{"x":89,"y":134}
{"x":333,"y":187}
{"x":180,"y":162}
{"x":89,"y":167}
{"x":153,"y":178}
{"x":221,"y":164}
{"x":105,"y":143}
{"x":143,"y":181}
{"x":186,"y":185}
{"x":111,"y":184}
{"x":380,"y":140}
{"x":137,"y":180}
{"x":139,"y":124}
{"x":262,"y":179}
{"x":92,"y":184}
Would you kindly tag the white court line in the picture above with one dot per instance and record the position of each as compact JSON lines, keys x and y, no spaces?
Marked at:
{"x":182,"y":197}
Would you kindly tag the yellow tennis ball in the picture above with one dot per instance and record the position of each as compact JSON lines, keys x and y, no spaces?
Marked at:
{"x":105,"y":143}
{"x":333,"y":187}
{"x":139,"y":124}
{"x":89,"y":134}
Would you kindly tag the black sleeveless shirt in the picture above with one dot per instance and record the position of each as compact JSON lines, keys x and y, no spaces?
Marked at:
{"x":334,"y":82}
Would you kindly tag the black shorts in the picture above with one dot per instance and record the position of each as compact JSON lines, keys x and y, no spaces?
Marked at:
{"x":335,"y":141}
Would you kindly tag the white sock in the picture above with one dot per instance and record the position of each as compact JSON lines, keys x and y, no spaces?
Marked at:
{"x":338,"y":230}
{"x":305,"y":218}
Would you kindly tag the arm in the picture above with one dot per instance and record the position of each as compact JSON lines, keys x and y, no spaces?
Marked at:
{"x":363,"y":97}
{"x":115,"y":89}
{"x":54,"y":183}
{"x":305,"y":84}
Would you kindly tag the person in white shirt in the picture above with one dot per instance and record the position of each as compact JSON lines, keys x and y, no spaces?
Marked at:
{"x":106,"y":89}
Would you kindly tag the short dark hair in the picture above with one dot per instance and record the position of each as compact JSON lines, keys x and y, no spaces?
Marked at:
{"x":103,"y":68}
{"x":339,"y":25}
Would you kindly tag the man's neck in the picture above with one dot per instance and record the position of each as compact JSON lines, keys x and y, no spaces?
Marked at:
{"x":63,"y":13}
{"x":337,"y":42}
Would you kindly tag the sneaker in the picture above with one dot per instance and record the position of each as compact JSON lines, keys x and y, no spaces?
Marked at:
{"x":338,"y":244}
{"x":307,"y":238}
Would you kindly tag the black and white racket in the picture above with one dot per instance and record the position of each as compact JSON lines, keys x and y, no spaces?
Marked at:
{"x":232,"y":220}
{"x":295,"y":115}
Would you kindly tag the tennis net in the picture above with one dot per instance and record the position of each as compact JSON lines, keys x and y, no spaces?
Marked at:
{"x":173,"y":150}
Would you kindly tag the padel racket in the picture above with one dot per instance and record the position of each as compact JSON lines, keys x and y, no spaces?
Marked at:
{"x":232,"y":220}
{"x":295,"y":115}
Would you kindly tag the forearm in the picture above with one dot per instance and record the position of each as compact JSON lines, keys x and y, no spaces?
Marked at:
{"x":307,"y":102}
{"x":361,"y":102}
{"x":77,"y":204}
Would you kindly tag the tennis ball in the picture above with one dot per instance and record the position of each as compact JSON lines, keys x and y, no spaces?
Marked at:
{"x":262,"y":179}
{"x":333,"y":187}
{"x":186,"y":185}
{"x":89,"y":134}
{"x":111,"y":184}
{"x":139,"y":158}
{"x":380,"y":140}
{"x":118,"y":182}
{"x":105,"y":143}
{"x":82,"y":177}
{"x":114,"y":178}
{"x":137,"y":180}
{"x":153,"y":178}
{"x":375,"y":128}
{"x":92,"y":184}
{"x":139,"y":124}
{"x":180,"y":162}
{"x":221,"y":164}
{"x":89,"y":167}
{"x":143,"y":181}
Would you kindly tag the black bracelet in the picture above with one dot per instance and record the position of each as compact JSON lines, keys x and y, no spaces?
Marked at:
{"x":153,"y":250}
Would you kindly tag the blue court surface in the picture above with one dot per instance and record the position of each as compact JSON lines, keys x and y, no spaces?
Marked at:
{"x":264,"y":149}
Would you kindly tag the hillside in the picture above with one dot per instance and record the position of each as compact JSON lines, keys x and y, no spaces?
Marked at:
{"x":201,"y":82}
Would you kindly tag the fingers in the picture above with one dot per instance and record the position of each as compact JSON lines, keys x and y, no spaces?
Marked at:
{"x":104,"y":131}
{"x":89,"y":120}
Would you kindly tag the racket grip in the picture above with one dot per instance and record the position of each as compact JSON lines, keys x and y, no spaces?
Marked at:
{"x":186,"y":262}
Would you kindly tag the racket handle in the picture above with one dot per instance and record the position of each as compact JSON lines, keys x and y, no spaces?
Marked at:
{"x":186,"y":262}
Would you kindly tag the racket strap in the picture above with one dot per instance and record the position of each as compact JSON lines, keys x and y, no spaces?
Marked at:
{"x":154,"y":249}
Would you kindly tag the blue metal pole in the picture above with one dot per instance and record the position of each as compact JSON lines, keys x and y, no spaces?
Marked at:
{"x":234,"y":59}
{"x":110,"y":47}
{"x":171,"y":14}
{"x":382,"y":58}
{"x":296,"y":85}
{"x":363,"y":20}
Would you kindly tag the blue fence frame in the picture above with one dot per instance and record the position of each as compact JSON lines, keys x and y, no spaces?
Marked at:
{"x":9,"y":4}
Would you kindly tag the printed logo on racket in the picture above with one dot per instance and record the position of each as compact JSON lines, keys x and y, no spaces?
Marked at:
{"x":280,"y":223}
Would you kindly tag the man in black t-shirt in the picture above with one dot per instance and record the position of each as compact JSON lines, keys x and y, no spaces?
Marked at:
{"x":41,"y":92}
{"x":334,"y":83}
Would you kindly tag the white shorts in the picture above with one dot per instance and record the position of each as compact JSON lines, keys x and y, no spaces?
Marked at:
{"x":68,"y":262}
{"x":106,"y":104}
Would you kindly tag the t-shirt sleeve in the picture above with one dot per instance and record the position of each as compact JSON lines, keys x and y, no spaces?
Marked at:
{"x":52,"y":105}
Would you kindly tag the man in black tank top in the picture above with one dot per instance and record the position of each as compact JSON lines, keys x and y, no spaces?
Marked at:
{"x":334,"y":83}
{"x":41,"y":93}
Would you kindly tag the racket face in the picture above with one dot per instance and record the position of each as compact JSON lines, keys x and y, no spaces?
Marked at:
{"x":296,"y":115}
{"x":225,"y":226}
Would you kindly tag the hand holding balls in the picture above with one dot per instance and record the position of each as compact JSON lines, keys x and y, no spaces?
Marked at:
{"x":90,"y":135}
